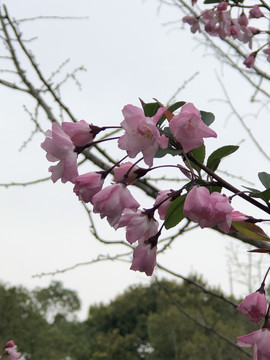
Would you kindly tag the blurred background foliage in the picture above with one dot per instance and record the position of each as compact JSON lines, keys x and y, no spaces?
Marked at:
{"x":164,"y":321}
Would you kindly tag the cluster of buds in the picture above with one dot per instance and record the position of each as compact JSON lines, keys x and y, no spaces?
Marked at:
{"x":218,"y":21}
{"x":256,"y":308}
{"x":142,"y":135}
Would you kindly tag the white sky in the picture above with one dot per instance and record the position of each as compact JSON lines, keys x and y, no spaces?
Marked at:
{"x":128,"y":54}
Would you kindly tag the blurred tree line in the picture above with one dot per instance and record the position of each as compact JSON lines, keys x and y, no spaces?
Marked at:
{"x":163,"y":321}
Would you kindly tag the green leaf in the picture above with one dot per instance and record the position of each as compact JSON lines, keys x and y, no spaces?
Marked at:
{"x":198,"y":154}
{"x":265,"y":195}
{"x":207,"y":117}
{"x":175,"y":212}
{"x":250,"y":230}
{"x":264,"y":179}
{"x":216,"y":156}
{"x":150,"y":109}
{"x":253,"y":190}
{"x":170,"y":149}
{"x":163,"y":152}
{"x":211,"y":1}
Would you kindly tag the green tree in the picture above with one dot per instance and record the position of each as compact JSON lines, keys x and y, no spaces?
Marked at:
{"x":22,"y":320}
{"x":165,"y":321}
{"x":56,"y":300}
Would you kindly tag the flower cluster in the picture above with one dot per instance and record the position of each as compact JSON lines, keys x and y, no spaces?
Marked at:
{"x":255,"y":307}
{"x":200,"y":199}
{"x":219,"y":21}
{"x":142,"y":135}
{"x":11,"y":351}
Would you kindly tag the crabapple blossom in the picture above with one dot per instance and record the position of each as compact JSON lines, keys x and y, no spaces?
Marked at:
{"x":238,"y":216}
{"x":11,"y":351}
{"x":222,"y":6}
{"x":250,"y":60}
{"x":260,"y":339}
{"x":267,"y":52}
{"x":59,"y":147}
{"x":255,"y":12}
{"x":193,"y":22}
{"x":142,"y":134}
{"x":243,"y":19}
{"x":121,"y":172}
{"x":79,"y":132}
{"x":144,"y":258}
{"x":188,"y":128}
{"x":111,"y":201}
{"x":208,"y":209}
{"x":139,"y":226}
{"x":163,"y":207}
{"x":254,"y":306}
{"x":87,"y":185}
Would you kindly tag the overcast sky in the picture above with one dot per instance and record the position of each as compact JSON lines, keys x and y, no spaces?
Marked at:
{"x":128,"y":53}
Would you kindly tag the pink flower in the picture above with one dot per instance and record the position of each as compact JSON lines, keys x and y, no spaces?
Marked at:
{"x":144,"y":258}
{"x":234,"y":30}
{"x":111,"y":201}
{"x":80,"y":132}
{"x":11,"y":351}
{"x":254,"y":306}
{"x":162,"y":209}
{"x":122,"y":170}
{"x":243,"y":19}
{"x":238,"y":216}
{"x":87,"y":185}
{"x":188,"y":128}
{"x":208,"y":209}
{"x":59,"y":147}
{"x":267,"y":52}
{"x":142,"y":134}
{"x":250,"y":60}
{"x":193,"y":22}
{"x":139,"y":226}
{"x":255,"y":12}
{"x":260,"y":339}
{"x":222,"y":6}
{"x":221,"y":211}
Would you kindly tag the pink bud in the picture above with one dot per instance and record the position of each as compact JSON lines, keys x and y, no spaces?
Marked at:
{"x":238,"y":216}
{"x":243,"y":20}
{"x":250,"y":60}
{"x":267,"y":52}
{"x":10,"y":343}
{"x":222,"y":6}
{"x":144,"y":258}
{"x":79,"y":132}
{"x":162,"y":209}
{"x":123,"y":170}
{"x":87,"y":185}
{"x":254,"y":306}
{"x":255,"y":12}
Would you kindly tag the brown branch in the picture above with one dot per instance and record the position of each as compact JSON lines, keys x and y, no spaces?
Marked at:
{"x":35,"y":67}
{"x":203,"y":325}
{"x":198,"y":285}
